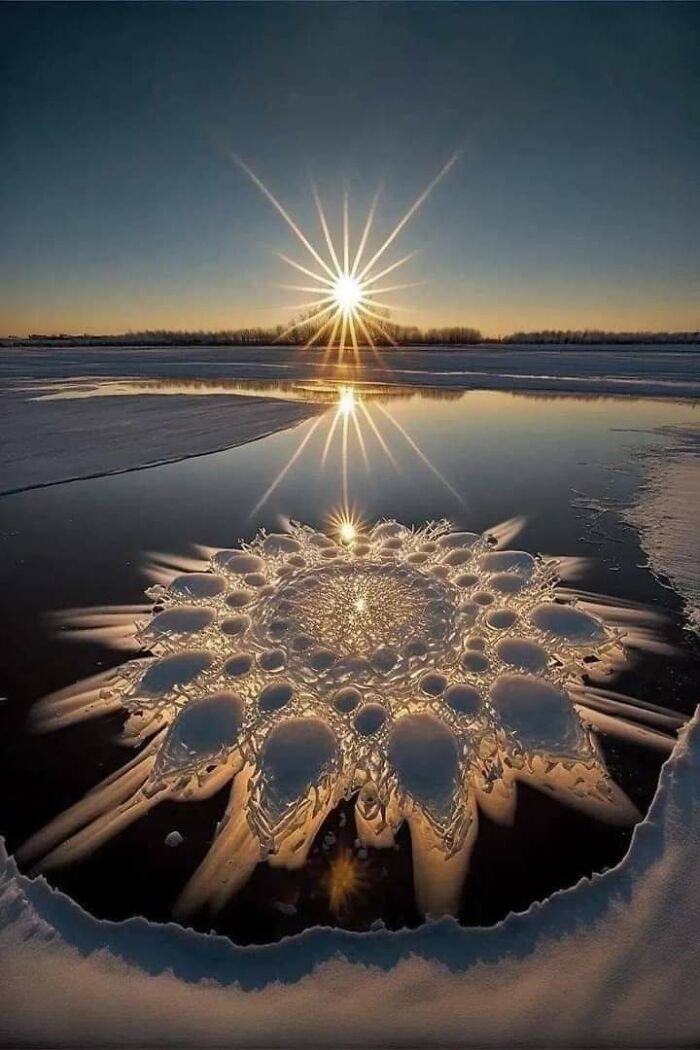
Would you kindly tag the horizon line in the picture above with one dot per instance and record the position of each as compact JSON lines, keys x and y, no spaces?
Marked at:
{"x":430,"y":334}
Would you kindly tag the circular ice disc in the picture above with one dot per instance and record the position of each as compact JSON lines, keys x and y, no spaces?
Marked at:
{"x":176,"y":670}
{"x":198,"y":585}
{"x":567,"y":623}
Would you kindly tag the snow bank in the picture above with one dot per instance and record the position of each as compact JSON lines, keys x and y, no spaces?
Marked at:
{"x":666,"y":514}
{"x":612,"y":961}
{"x":48,"y":443}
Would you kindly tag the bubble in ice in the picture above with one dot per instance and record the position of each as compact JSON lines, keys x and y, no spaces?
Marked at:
{"x":347,"y":699}
{"x":424,"y":753}
{"x":233,"y":626}
{"x":370,"y":718}
{"x":173,"y":672}
{"x":197,"y":585}
{"x":507,"y":582}
{"x":272,"y":660}
{"x":458,"y":539}
{"x":238,"y":665}
{"x":501,"y":619}
{"x":188,"y":619}
{"x":275,"y":696}
{"x":239,"y":598}
{"x":280,"y":543}
{"x":433,"y":683}
{"x":538,"y":714}
{"x":203,"y":731}
{"x":475,"y":662}
{"x":508,"y":561}
{"x":292,"y":760}
{"x":421,"y":671}
{"x":236,"y":563}
{"x":522,"y":653}
{"x":464,"y":699}
{"x":568,"y":624}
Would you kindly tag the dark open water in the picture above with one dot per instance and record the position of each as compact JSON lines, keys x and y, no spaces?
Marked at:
{"x":506,"y":454}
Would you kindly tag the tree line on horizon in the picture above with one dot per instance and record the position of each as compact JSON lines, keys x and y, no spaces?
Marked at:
{"x":401,"y":335}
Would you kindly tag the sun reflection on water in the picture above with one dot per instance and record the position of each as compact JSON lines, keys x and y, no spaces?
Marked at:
{"x":344,"y":880}
{"x":352,"y":415}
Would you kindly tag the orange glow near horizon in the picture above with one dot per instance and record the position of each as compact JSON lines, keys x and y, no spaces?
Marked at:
{"x":212,"y":310}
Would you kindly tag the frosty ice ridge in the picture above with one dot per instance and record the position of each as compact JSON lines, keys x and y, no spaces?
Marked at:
{"x":422,"y":671}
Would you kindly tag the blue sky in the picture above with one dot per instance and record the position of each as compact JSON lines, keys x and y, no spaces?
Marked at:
{"x":575,"y":202}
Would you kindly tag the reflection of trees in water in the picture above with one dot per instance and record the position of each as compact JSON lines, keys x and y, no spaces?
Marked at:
{"x":318,"y":391}
{"x":566,"y":395}
{"x":315,"y":391}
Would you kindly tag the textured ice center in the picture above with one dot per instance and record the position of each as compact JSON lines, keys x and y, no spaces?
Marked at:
{"x":371,"y":610}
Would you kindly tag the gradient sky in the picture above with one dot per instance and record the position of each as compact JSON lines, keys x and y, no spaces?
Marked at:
{"x":575,"y":203}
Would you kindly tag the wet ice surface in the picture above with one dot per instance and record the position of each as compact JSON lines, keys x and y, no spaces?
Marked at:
{"x":366,"y":670}
{"x":602,"y":369}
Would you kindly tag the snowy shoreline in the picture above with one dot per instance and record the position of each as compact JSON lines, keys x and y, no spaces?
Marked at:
{"x":665,"y":514}
{"x":49,"y":443}
{"x":610,"y":961}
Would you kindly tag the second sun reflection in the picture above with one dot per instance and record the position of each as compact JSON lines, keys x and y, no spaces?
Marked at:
{"x":349,"y":423}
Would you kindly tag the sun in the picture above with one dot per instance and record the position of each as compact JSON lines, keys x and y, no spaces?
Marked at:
{"x":347,"y":309}
{"x":354,"y":415}
{"x":346,"y":401}
{"x":348,"y":293}
{"x":347,"y":532}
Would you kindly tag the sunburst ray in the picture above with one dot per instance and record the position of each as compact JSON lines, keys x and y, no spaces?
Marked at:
{"x":286,"y":468}
{"x":365,"y":232}
{"x":304,"y":269}
{"x":420,"y":453}
{"x":409,"y":214}
{"x":345,"y":286}
{"x":285,"y":215}
{"x":378,"y":434}
{"x":324,"y":227}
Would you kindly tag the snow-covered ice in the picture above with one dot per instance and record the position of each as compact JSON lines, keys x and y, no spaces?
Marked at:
{"x":666,"y":513}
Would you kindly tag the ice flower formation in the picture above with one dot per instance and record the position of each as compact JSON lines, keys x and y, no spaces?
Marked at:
{"x":424,"y":672}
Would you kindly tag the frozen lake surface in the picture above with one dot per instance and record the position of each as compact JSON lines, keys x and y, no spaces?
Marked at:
{"x":591,"y":369}
{"x":45,"y":440}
